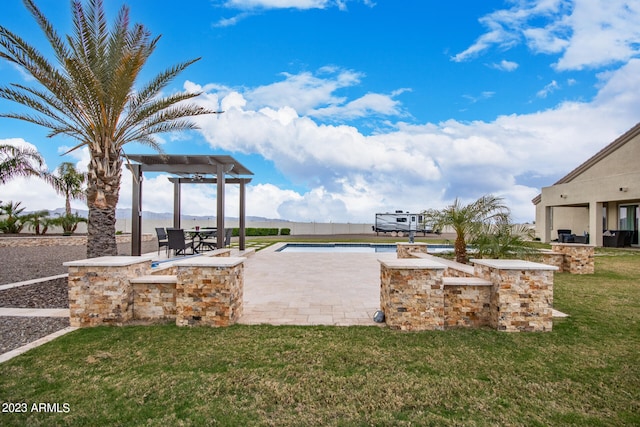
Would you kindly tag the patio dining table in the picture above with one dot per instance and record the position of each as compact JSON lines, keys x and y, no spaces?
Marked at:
{"x":199,"y":235}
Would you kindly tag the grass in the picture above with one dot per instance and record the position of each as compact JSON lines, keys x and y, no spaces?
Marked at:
{"x":585,"y":372}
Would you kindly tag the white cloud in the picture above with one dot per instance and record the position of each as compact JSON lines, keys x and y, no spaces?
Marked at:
{"x":584,"y":33}
{"x":505,"y":65}
{"x":549,"y":88}
{"x":288,"y":4}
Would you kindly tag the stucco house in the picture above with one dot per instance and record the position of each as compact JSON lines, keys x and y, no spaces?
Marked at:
{"x":597,"y":198}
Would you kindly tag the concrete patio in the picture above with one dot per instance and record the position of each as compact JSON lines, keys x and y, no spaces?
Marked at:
{"x":282,"y":288}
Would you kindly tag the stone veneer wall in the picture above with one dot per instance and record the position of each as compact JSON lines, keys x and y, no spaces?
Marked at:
{"x":99,"y":289}
{"x":467,"y":302}
{"x":154,"y":298}
{"x":522,"y":295}
{"x":578,"y":258}
{"x":116,"y":290}
{"x":74,"y":240}
{"x":551,"y":258}
{"x":412,"y":294}
{"x":509,"y":295}
{"x":209,"y":291}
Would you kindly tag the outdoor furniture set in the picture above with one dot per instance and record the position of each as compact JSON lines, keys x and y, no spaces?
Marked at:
{"x":196,"y":240}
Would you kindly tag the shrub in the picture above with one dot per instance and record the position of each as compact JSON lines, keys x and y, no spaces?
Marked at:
{"x":285,"y":231}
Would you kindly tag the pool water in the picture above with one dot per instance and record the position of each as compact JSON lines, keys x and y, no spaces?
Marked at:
{"x":337,"y":247}
{"x":353,"y":248}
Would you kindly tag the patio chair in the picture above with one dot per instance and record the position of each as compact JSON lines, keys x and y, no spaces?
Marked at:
{"x":227,"y":237}
{"x":163,"y":240}
{"x":178,"y":243}
{"x":564,"y":236}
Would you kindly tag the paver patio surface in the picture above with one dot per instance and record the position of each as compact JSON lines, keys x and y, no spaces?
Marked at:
{"x":282,"y":288}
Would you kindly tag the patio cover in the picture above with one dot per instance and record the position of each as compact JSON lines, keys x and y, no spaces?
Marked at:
{"x":191,"y":169}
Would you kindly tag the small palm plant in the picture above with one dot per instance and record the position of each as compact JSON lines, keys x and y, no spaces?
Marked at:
{"x":13,"y":222}
{"x":468,"y":221}
{"x":38,"y":221}
{"x":68,"y":222}
{"x":504,"y":240}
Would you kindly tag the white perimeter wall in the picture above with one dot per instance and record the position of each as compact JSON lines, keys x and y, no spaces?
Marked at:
{"x":297,"y":228}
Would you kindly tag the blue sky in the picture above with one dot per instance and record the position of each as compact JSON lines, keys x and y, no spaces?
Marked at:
{"x":345,"y":108}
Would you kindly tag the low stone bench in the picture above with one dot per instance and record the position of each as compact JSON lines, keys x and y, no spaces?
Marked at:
{"x":454,"y":269}
{"x":154,"y":297}
{"x":467,"y":302}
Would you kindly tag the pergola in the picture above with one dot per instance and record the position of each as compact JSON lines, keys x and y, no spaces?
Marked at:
{"x":189,"y":169}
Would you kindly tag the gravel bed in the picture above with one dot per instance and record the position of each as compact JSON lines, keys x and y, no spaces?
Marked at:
{"x":49,"y":294}
{"x":19,"y":331}
{"x":28,"y":263}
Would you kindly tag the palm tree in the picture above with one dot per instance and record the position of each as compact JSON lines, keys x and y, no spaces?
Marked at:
{"x":468,"y":220}
{"x":90,"y":95}
{"x":68,"y":182}
{"x":39,"y":221}
{"x":18,"y":161}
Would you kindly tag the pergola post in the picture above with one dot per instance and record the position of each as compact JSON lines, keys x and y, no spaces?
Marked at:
{"x":241,"y":214}
{"x":176,"y":203}
{"x":220,"y":181}
{"x":136,"y":210}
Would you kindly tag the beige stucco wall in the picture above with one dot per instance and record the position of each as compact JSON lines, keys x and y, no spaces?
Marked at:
{"x":612,"y":181}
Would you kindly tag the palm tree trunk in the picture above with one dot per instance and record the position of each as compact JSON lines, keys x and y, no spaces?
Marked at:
{"x":460,"y":248}
{"x":103,"y":187}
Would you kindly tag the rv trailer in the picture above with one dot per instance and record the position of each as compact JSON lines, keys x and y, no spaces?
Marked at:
{"x":399,"y":221}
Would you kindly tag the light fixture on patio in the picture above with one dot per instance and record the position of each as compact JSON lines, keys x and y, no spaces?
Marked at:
{"x":563,"y":196}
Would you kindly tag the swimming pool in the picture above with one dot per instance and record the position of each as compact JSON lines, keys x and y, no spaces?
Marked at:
{"x":353,"y":248}
{"x":338,"y":247}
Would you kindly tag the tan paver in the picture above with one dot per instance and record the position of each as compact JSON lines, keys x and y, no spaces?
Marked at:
{"x":283,"y":288}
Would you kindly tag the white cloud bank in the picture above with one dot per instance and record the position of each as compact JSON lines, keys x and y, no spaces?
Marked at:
{"x":351,"y":175}
{"x":590,"y":33}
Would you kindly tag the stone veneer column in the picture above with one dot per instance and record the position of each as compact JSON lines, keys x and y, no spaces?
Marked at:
{"x":406,"y":249}
{"x":99,"y":289}
{"x":522,"y":293}
{"x":411,"y":294}
{"x":578,"y":258}
{"x":209,"y":291}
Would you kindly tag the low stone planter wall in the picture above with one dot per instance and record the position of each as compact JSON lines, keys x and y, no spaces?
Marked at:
{"x":204,"y":290}
{"x":577,"y":258}
{"x":522,"y":294}
{"x":73,"y":240}
{"x":412,"y":295}
{"x":99,"y":289}
{"x":509,"y":295}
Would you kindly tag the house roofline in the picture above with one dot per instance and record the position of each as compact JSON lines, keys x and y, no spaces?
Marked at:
{"x":619,"y":142}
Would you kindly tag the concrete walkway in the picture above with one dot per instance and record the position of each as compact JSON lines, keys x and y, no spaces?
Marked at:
{"x":283,"y":288}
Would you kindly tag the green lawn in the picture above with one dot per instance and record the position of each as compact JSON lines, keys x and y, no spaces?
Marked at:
{"x":585,"y":372}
